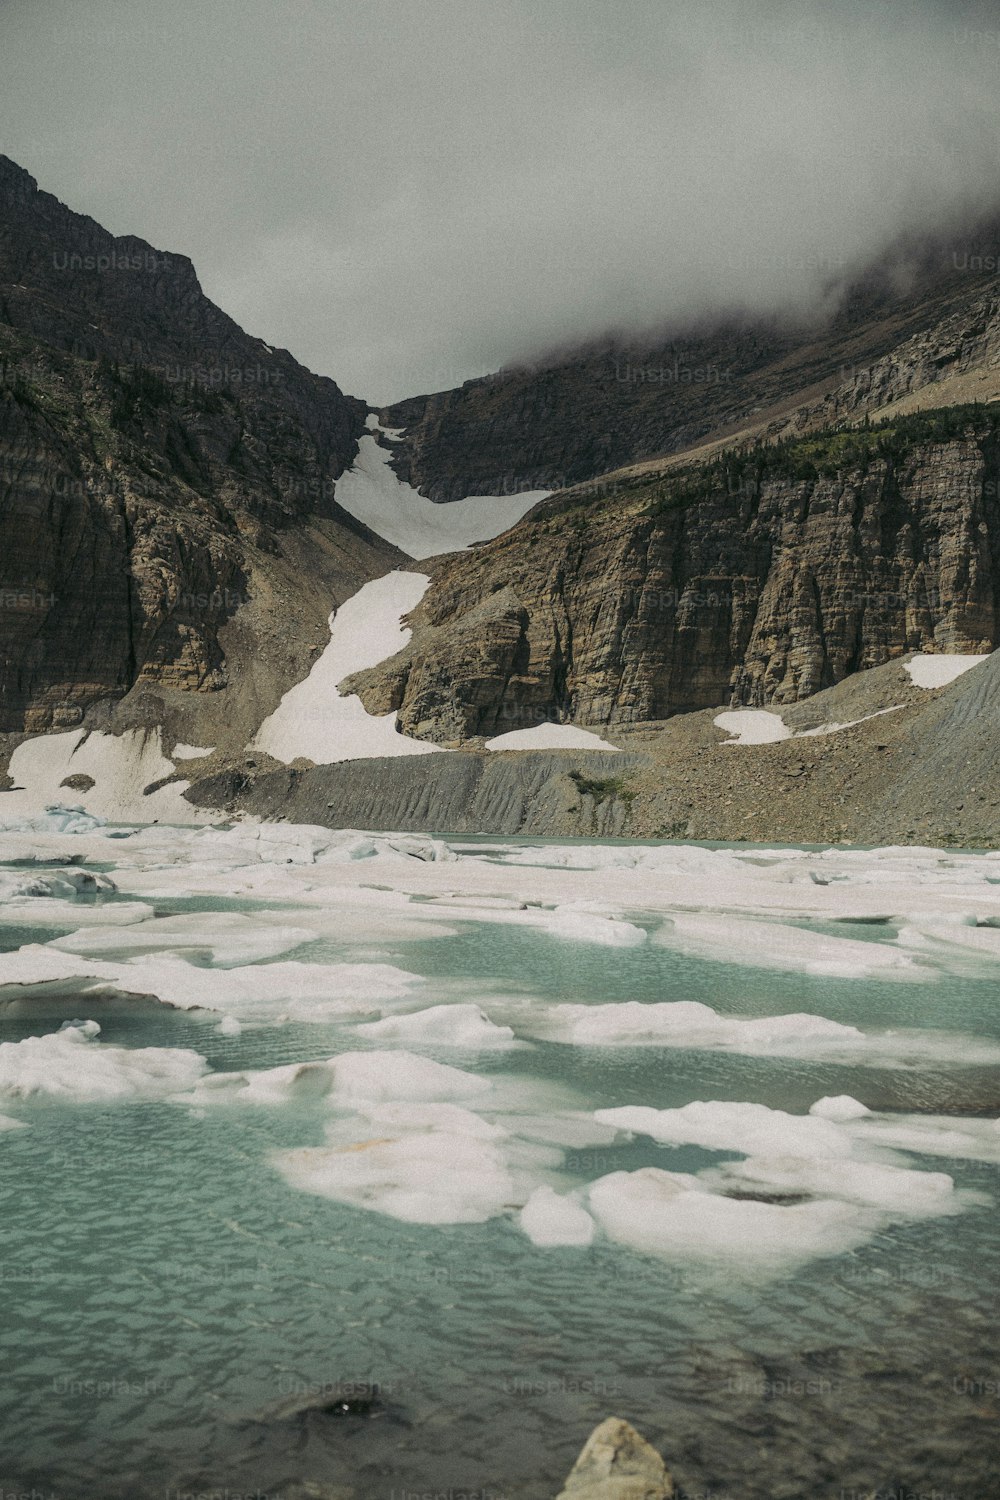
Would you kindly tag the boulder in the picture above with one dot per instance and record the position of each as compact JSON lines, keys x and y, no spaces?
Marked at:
{"x":618,"y":1464}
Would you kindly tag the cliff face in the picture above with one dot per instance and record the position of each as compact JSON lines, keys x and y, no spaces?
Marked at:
{"x":163,"y":478}
{"x":911,"y":325}
{"x":758,"y":580}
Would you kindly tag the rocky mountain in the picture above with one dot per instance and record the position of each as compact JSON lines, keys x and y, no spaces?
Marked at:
{"x":927,"y":315}
{"x":748,"y":515}
{"x":168,"y":533}
{"x":760,"y":577}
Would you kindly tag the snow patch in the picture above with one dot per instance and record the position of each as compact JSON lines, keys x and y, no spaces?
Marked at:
{"x":372,"y":493}
{"x":752,"y":726}
{"x":313,"y":720}
{"x":549,"y":737}
{"x":932,"y":671}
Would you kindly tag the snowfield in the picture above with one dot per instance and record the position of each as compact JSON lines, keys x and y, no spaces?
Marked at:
{"x":312,"y":719}
{"x":371,"y":492}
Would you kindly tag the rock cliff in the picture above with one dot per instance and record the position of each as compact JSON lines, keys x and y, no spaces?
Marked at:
{"x":166,"y":488}
{"x":760,"y":578}
{"x":919,"y":320}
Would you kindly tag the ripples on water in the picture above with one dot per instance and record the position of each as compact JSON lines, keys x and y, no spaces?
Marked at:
{"x":161,"y":1283}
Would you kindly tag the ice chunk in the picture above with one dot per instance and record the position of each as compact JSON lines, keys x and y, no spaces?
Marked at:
{"x":37,"y":963}
{"x":839,"y":1107}
{"x":229,"y":1026}
{"x":589,"y":927}
{"x":899,"y":1190}
{"x":71,"y":1065}
{"x":776,"y":945}
{"x":442,"y":1025}
{"x":427,"y":1177}
{"x":349,"y":1081}
{"x":228,"y":937}
{"x":689,"y":1024}
{"x":549,"y":1219}
{"x":373,"y":1077}
{"x":299,"y":991}
{"x":673,"y":1215}
{"x":722,"y":1125}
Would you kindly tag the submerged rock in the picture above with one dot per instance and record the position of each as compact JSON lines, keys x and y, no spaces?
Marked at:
{"x":618,"y":1464}
{"x":336,"y":1399}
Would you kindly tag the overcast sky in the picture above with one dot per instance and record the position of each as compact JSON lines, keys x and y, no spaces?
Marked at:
{"x":406,"y":193}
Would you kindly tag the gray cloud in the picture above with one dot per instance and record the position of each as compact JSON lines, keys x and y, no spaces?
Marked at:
{"x":407,"y":193}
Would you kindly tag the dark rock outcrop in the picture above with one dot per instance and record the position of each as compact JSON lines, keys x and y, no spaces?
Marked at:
{"x":917,"y":320}
{"x":165,"y":479}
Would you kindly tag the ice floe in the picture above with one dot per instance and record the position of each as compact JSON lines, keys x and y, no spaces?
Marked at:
{"x":777,"y":945}
{"x":225,"y":937}
{"x":548,"y":1218}
{"x":313,"y":720}
{"x":71,"y":1065}
{"x":288,"y":990}
{"x":691,"y":1025}
{"x":807,"y":1185}
{"x":441,"y":1026}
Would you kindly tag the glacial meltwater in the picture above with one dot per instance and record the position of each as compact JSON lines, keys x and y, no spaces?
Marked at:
{"x":396,"y":1164}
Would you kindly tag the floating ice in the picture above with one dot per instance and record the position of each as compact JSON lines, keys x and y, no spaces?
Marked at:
{"x":588,"y":927}
{"x":298,"y":991}
{"x":228,"y":937}
{"x":376,"y":1077}
{"x":839,"y":1107}
{"x":675,"y":1215}
{"x":39,"y":964}
{"x":550,"y":1219}
{"x":442,"y":1025}
{"x":899,"y":1190}
{"x":71,"y":1065}
{"x":776,"y":945}
{"x":722,"y":1125}
{"x":433,"y":1177}
{"x":689,"y":1024}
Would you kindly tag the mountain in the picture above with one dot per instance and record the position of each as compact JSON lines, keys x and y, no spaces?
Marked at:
{"x":926,"y":317}
{"x":169,"y":543}
{"x":754,"y":515}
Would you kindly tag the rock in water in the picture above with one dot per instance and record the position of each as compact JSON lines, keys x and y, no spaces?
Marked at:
{"x":338,"y":1399}
{"x":618,"y":1464}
